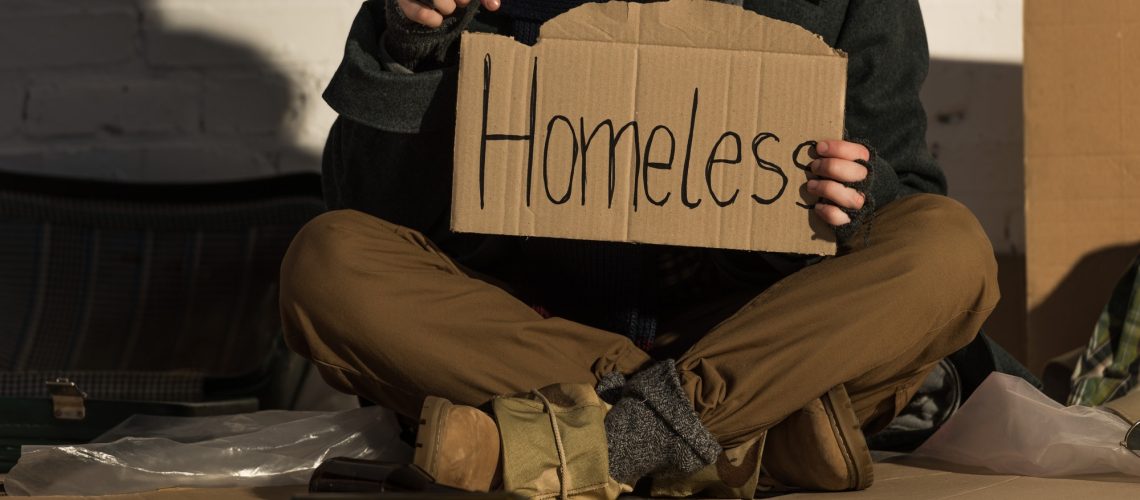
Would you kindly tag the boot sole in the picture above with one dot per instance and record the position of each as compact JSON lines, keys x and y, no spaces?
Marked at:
{"x":429,"y":433}
{"x":849,"y":435}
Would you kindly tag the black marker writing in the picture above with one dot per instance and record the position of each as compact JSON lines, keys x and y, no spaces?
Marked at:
{"x":725,"y":153}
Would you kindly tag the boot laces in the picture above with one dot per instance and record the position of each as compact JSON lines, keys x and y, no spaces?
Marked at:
{"x":563,"y":471}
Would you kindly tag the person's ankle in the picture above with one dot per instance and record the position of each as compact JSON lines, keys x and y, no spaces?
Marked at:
{"x":654,"y":430}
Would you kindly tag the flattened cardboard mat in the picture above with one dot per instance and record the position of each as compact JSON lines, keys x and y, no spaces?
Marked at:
{"x":684,"y":123}
{"x":895,"y":477}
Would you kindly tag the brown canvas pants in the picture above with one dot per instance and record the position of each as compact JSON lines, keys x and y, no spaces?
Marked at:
{"x":384,"y":314}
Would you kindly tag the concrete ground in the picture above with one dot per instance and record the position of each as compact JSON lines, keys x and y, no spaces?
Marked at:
{"x":898,"y":477}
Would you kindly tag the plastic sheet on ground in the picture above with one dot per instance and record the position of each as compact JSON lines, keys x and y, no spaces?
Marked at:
{"x":272,"y":448}
{"x":1010,"y":427}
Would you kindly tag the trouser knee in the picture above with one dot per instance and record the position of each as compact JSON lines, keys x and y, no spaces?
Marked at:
{"x":320,"y":289}
{"x":950,"y":254}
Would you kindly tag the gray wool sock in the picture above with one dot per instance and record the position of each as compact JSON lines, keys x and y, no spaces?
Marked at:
{"x":653,"y":428}
{"x":609,"y":388}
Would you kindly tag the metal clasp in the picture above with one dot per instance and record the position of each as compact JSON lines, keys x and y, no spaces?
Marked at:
{"x":67,"y":400}
{"x":1132,"y":439}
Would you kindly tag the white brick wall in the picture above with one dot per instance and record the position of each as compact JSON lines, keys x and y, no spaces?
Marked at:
{"x":73,"y":107}
{"x":170,"y":90}
{"x":65,"y":38}
{"x":284,"y":32}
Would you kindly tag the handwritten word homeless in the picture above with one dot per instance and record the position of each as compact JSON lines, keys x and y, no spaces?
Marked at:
{"x":726,"y":152}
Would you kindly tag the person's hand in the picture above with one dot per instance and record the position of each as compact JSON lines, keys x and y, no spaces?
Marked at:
{"x":430,"y":13}
{"x":836,"y":165}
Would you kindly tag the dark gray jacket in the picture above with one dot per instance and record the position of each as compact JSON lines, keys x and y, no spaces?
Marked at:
{"x":389,"y":153}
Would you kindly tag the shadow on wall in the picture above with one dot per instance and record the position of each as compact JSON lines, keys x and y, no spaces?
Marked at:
{"x":130,"y":90}
{"x":1070,"y":312}
{"x":976,"y":131}
{"x":143,"y":101}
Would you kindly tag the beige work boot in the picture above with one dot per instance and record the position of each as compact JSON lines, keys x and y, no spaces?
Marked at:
{"x":458,"y":445}
{"x":550,"y":443}
{"x":820,"y":447}
{"x":554,"y":444}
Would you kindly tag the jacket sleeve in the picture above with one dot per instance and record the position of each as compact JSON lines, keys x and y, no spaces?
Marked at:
{"x":888,"y":62}
{"x":389,"y":153}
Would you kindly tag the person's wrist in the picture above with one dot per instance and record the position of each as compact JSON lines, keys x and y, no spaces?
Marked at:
{"x":418,"y":47}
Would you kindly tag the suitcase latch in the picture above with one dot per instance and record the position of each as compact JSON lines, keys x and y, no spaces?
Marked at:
{"x":67,"y":400}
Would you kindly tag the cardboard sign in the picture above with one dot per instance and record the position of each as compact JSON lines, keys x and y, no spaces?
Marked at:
{"x":683,"y":123}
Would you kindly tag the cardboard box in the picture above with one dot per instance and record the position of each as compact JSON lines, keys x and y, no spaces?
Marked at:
{"x":1082,"y":170}
{"x":683,"y":123}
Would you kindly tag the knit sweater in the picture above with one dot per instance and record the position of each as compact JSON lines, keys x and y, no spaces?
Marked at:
{"x":389,"y":152}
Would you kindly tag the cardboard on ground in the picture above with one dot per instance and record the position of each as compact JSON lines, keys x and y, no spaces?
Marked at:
{"x":897,"y":476}
{"x":708,"y":105}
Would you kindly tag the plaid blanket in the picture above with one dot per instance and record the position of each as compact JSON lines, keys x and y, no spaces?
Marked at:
{"x":1110,"y":366}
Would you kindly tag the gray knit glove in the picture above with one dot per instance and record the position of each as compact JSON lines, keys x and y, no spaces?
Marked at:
{"x":417,"y":47}
{"x":875,"y":195}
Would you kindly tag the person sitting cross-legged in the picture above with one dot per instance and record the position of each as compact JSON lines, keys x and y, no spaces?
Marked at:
{"x":698,"y":354}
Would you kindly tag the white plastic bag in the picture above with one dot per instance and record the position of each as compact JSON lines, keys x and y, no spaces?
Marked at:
{"x":272,"y":448}
{"x":1010,"y":427}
